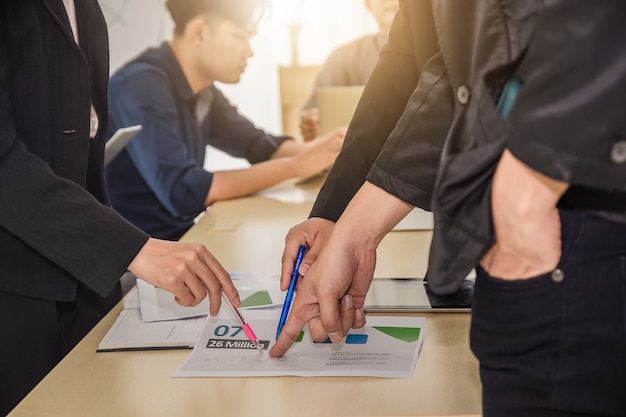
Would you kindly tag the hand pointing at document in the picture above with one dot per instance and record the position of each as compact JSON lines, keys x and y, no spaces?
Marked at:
{"x":330,"y":295}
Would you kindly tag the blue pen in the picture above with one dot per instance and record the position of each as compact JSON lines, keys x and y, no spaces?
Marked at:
{"x":290,"y":290}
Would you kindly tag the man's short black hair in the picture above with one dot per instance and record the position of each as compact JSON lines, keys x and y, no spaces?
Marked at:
{"x":241,"y":12}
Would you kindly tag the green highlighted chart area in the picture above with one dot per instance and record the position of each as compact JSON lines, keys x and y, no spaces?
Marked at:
{"x":259,"y":298}
{"x":408,"y":334}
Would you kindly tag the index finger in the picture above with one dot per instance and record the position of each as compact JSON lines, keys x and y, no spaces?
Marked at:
{"x":224,"y":283}
{"x":289,"y":333}
{"x":225,"y":280}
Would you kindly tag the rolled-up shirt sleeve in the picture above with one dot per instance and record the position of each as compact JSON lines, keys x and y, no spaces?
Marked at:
{"x":167,"y":166}
{"x":233,"y":133}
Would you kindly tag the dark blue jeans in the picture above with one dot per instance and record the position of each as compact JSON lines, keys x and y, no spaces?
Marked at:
{"x":550,"y":348}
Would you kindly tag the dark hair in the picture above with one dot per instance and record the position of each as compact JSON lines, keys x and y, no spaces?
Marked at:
{"x":241,"y":12}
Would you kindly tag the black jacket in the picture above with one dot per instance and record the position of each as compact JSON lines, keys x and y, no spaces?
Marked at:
{"x":54,"y":225}
{"x":427,"y":129}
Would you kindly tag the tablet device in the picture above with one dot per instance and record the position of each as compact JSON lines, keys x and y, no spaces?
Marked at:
{"x":402,"y":295}
{"x":118,"y":141}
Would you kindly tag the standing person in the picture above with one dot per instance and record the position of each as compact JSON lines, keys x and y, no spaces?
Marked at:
{"x":529,"y":188}
{"x":349,"y":64}
{"x":158,"y":181}
{"x":62,"y":249}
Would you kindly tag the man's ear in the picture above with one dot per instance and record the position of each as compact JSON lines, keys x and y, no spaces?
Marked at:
{"x":197,"y":29}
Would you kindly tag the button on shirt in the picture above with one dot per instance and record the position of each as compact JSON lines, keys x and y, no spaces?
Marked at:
{"x":158,"y":181}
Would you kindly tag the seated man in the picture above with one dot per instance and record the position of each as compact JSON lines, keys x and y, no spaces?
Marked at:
{"x":349,"y":64}
{"x":158,"y":181}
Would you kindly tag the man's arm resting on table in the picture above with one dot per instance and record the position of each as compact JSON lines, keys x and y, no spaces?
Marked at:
{"x":290,"y":160}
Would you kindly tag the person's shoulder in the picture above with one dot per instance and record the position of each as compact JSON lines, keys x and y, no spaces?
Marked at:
{"x":364,"y":41}
{"x":148,"y":66}
{"x":220,"y":101}
{"x":365,"y":45}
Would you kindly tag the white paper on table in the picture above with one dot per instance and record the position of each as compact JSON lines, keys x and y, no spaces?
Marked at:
{"x":255,"y":291}
{"x":131,"y":300}
{"x":289,"y":192}
{"x":387,"y":346}
{"x":130,"y":333}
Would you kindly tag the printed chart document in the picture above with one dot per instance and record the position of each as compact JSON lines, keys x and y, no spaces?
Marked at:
{"x":255,"y":290}
{"x":386,"y":347}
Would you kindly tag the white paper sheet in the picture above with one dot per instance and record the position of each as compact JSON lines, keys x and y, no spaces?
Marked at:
{"x":130,"y":333}
{"x":386,"y":347}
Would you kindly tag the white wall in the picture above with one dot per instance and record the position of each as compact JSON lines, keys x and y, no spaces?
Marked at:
{"x":135,"y":25}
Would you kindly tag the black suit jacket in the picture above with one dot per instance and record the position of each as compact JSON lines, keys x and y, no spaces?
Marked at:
{"x":55,"y":226}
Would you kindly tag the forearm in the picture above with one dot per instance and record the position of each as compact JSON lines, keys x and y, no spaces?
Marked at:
{"x":299,"y":161}
{"x":287,"y":148}
{"x":243,"y":182}
{"x":370,"y":215}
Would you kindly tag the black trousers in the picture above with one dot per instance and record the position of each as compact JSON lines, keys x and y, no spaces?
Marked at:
{"x":37,"y":334}
{"x":550,"y":347}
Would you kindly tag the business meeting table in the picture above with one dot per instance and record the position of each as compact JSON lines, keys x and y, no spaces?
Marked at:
{"x":248,"y":234}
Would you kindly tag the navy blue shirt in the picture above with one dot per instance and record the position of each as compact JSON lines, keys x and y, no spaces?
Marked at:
{"x":158,"y":181}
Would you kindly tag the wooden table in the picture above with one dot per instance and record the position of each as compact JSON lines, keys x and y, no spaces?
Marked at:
{"x":248,"y":235}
